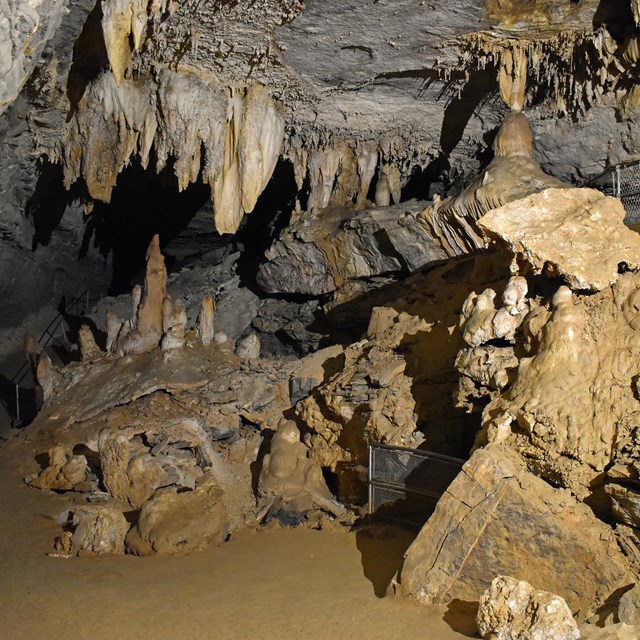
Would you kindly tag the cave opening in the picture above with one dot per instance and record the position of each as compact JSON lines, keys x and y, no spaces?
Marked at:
{"x":145,"y":203}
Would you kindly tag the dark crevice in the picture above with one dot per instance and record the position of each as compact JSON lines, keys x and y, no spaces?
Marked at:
{"x":264,"y":224}
{"x":89,"y":58}
{"x":143,"y":203}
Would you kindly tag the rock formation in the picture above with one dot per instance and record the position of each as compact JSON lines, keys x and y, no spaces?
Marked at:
{"x":289,"y":477}
{"x":395,"y":282}
{"x":513,"y":610}
{"x":497,"y":518}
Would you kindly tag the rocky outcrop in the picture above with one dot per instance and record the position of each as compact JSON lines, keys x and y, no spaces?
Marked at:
{"x":513,"y":610}
{"x":496,"y":518}
{"x":368,"y":400}
{"x":178,"y":523}
{"x":65,"y":472}
{"x":574,"y":234}
{"x":318,"y":252}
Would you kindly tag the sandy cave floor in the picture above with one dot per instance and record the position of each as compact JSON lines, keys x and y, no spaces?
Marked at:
{"x":276,"y":583}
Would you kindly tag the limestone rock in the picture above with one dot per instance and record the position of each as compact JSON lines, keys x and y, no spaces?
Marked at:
{"x":25,"y":28}
{"x":619,"y":631}
{"x":129,"y":473}
{"x":625,"y":504}
{"x":629,"y":606}
{"x":318,"y":252}
{"x":576,"y":234}
{"x":66,"y":472}
{"x":249,"y":347}
{"x":571,"y":407}
{"x":496,"y":518}
{"x":311,"y":371}
{"x":100,"y":530}
{"x":178,"y":523}
{"x":513,"y":610}
{"x":288,"y":475}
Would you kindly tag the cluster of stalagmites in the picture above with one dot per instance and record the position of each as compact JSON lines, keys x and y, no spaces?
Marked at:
{"x":186,"y":466}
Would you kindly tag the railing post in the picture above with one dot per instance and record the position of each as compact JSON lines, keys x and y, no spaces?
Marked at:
{"x":17,"y":404}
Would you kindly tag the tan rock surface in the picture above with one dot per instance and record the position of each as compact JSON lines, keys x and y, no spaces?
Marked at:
{"x":178,"y":523}
{"x":576,"y":234}
{"x":496,"y":518}
{"x":513,"y":610}
{"x":619,"y":631}
{"x":100,"y":530}
{"x":65,"y":472}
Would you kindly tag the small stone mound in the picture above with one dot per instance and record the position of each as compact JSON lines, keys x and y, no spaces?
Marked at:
{"x":512,"y":609}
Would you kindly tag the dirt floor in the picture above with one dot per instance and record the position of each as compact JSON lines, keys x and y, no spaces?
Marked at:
{"x":277,"y":583}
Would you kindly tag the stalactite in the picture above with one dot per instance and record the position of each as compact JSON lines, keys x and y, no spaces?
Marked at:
{"x":260,"y":143}
{"x":513,"y":77}
{"x":231,"y":140}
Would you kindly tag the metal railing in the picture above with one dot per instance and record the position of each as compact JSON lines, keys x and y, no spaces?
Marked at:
{"x":622,"y":181}
{"x":78,"y":306}
{"x":406,"y":484}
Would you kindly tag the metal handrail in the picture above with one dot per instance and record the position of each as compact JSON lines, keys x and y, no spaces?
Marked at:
{"x":78,"y":305}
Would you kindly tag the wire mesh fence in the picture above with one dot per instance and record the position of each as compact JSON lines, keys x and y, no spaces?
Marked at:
{"x":622,"y":181}
{"x":406,"y":484}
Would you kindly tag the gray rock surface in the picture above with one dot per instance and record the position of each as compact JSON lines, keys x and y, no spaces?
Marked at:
{"x":320,"y":251}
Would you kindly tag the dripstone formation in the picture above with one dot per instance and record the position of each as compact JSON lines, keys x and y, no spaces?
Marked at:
{"x":385,"y":234}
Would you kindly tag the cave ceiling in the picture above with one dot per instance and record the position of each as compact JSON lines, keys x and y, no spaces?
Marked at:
{"x":404,"y":85}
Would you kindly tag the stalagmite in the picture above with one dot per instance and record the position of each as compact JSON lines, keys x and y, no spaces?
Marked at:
{"x":289,"y":475}
{"x":88,"y":346}
{"x":249,"y":347}
{"x":174,"y":321}
{"x":136,"y":297}
{"x":205,"y":326}
{"x":383,"y":194}
{"x":149,"y":330}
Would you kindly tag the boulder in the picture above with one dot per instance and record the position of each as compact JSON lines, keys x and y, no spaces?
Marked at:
{"x":174,"y":523}
{"x":65,"y":472}
{"x":512,"y":609}
{"x":100,"y":530}
{"x":575,"y":234}
{"x":496,"y":518}
{"x":629,"y":606}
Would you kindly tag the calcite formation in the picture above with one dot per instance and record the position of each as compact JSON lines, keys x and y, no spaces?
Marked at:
{"x":65,"y":472}
{"x":290,"y":478}
{"x":240,"y":131}
{"x":513,"y":610}
{"x":361,"y":137}
{"x":574,"y":234}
